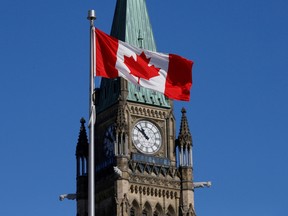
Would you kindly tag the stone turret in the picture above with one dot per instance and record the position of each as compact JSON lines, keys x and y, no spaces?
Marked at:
{"x":184,"y":145}
{"x":185,"y":142}
{"x":81,"y":170}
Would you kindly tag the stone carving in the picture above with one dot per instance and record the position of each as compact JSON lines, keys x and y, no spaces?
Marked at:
{"x":202,"y":184}
{"x":153,"y":191}
{"x":148,"y":112}
{"x":117,"y":171}
{"x":67,"y":196}
{"x":159,"y":170}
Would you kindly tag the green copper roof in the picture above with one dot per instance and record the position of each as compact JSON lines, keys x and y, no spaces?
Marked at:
{"x":131,"y":24}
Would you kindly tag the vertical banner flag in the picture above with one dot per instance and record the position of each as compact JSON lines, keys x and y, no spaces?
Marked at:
{"x":166,"y":73}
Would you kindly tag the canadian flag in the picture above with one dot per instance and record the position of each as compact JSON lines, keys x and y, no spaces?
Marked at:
{"x":166,"y":73}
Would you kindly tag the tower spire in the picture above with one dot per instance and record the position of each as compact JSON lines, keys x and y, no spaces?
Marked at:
{"x":131,"y":23}
{"x":130,"y":17}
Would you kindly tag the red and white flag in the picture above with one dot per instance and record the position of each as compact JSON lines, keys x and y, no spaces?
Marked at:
{"x":166,"y":73}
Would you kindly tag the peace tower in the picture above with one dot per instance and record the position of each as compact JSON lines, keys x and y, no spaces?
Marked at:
{"x":142,"y":167}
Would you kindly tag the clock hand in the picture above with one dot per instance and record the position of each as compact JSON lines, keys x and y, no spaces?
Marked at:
{"x":143,"y":133}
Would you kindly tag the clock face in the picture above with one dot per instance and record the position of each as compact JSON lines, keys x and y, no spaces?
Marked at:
{"x":109,"y":140}
{"x":146,"y":137}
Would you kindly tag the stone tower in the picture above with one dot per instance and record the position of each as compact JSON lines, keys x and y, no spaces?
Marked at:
{"x":136,"y":147}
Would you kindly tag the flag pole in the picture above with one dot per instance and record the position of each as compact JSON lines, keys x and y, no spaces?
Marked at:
{"x":91,"y":163}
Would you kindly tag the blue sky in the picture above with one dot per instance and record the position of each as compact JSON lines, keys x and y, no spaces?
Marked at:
{"x":237,"y":113}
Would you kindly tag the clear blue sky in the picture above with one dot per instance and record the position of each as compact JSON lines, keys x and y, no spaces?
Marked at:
{"x":237,"y":113}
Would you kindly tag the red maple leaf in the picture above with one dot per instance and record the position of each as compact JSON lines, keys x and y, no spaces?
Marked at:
{"x":140,"y":67}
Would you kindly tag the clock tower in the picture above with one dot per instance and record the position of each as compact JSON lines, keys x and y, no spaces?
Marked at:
{"x":142,"y":167}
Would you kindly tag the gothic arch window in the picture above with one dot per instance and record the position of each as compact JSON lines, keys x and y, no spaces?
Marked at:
{"x":170,"y":211}
{"x":135,"y":209}
{"x":147,"y":210}
{"x":158,"y":210}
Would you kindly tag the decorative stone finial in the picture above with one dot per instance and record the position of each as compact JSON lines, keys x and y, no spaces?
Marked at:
{"x":184,"y":136}
{"x":82,"y":121}
{"x":183,"y":110}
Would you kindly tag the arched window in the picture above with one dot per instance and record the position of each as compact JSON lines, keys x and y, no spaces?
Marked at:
{"x":147,"y":210}
{"x":158,"y":210}
{"x":171,"y":211}
{"x":135,"y":209}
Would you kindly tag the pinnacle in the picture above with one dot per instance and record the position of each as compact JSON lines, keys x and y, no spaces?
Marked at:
{"x":184,"y":136}
{"x":120,"y":119}
{"x":82,"y":145}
